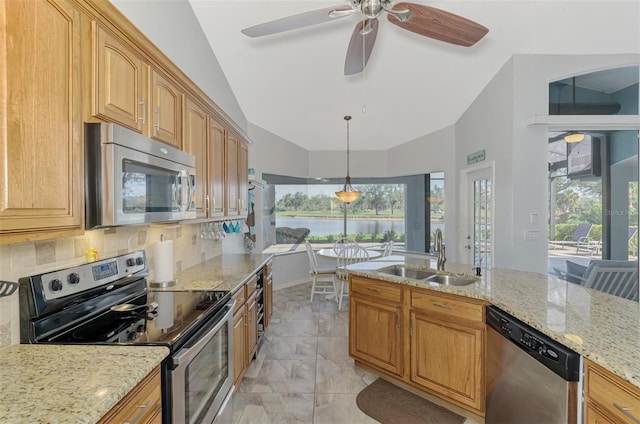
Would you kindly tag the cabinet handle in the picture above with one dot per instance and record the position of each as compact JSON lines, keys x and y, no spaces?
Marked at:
{"x":440,"y":305}
{"x":625,"y":410}
{"x":143,"y":409}
{"x":143,"y":103}
{"x":158,"y":123}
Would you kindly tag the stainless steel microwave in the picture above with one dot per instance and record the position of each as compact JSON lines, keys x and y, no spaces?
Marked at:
{"x":132,"y":179}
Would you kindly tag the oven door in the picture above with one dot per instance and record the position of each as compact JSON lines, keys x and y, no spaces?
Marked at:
{"x":201,"y":374}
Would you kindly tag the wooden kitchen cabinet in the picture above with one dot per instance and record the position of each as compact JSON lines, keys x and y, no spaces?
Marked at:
{"x":195,"y":141}
{"x":237,"y":178}
{"x":268,"y":288}
{"x":375,"y":324}
{"x":41,"y":162}
{"x":447,"y":339}
{"x":245,"y":330}
{"x":216,"y":163}
{"x":119,"y":76}
{"x":141,"y":405}
{"x":204,"y":137}
{"x":166,"y":109}
{"x":609,"y":398}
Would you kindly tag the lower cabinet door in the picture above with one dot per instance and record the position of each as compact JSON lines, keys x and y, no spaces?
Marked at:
{"x":239,"y":344}
{"x":375,"y":334}
{"x":447,"y":358}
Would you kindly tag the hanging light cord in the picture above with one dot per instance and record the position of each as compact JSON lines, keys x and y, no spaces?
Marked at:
{"x":347,"y":118}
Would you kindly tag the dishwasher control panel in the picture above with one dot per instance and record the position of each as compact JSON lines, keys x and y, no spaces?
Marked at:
{"x":559,"y":358}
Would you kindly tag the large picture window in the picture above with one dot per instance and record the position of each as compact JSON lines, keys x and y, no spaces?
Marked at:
{"x":406,"y":210}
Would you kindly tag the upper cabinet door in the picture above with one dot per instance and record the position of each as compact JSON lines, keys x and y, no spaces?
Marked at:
{"x":243,"y":178}
{"x":195,"y":142}
{"x":118,"y":92}
{"x":216,"y":154}
{"x":233,"y":199}
{"x":41,"y":147}
{"x":166,"y":110}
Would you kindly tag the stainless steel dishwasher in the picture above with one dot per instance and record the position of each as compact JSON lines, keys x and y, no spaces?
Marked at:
{"x":530,"y":377}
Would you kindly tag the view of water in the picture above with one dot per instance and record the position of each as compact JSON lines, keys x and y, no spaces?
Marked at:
{"x":326,"y":226}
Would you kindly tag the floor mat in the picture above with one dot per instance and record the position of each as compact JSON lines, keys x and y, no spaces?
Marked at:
{"x":390,"y":404}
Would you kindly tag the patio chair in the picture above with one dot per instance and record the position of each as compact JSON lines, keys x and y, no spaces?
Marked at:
{"x":579,"y":238}
{"x":619,"y":278}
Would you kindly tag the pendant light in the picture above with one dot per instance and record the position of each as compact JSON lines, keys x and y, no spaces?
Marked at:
{"x":574,"y":136}
{"x":348,"y":194}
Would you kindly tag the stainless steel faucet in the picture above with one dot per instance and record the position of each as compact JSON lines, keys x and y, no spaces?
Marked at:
{"x":440,"y":249}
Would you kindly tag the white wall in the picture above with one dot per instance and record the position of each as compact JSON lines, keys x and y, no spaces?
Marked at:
{"x":496,"y":122}
{"x":174,"y":29}
{"x":272,"y":154}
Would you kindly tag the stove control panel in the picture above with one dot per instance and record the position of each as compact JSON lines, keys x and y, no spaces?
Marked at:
{"x":84,"y":277}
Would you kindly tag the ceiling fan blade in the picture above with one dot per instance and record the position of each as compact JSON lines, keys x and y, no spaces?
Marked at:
{"x":357,"y":58}
{"x":300,"y":20}
{"x":441,"y":25}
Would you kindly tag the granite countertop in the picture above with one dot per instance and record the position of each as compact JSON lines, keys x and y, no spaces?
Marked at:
{"x":81,"y":383}
{"x":69,"y":383}
{"x":224,"y":272}
{"x":601,"y":327}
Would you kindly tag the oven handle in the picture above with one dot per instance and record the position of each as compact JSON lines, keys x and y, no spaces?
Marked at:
{"x":185,"y":355}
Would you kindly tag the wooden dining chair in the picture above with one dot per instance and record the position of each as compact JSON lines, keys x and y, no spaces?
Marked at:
{"x":348,"y":255}
{"x":323,"y":279}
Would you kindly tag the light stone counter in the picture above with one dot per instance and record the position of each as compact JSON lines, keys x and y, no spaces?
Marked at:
{"x":601,"y":327}
{"x":69,"y":384}
{"x":224,"y":272}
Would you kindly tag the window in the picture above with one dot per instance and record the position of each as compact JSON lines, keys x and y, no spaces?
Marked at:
{"x":405,"y":209}
{"x":593,"y":183}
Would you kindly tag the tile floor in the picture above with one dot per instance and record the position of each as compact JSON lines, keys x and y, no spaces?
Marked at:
{"x":303,"y":373}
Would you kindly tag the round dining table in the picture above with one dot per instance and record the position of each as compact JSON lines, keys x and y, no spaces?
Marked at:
{"x":331,"y":253}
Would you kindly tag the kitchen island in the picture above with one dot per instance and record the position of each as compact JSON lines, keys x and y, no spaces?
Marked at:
{"x":603,"y":328}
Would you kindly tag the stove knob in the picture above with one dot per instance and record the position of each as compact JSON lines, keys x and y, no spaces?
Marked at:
{"x":56,"y":285}
{"x":131,"y":262}
{"x":139,"y":261}
{"x":74,"y":278}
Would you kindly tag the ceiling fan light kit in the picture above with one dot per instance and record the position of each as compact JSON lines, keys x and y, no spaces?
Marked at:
{"x":348,"y":194}
{"x":423,"y":20}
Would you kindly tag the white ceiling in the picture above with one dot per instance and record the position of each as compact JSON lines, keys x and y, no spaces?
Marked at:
{"x":292,"y":84}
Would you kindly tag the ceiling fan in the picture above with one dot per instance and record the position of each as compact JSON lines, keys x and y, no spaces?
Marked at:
{"x":424,"y":20}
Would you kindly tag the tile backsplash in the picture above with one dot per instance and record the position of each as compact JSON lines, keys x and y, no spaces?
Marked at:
{"x":25,"y":259}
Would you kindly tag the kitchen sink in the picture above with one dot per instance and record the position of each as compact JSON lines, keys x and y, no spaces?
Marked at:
{"x":450,"y":280}
{"x":430,"y":276}
{"x":416,"y":274}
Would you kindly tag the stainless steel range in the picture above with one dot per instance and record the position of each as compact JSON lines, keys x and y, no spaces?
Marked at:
{"x":108,"y":302}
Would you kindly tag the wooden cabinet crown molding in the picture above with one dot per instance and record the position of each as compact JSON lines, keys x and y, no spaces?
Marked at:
{"x":109,"y":16}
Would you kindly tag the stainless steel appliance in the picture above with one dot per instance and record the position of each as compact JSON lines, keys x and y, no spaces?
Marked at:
{"x":108,"y":302}
{"x":132,"y":179}
{"x":530,"y":377}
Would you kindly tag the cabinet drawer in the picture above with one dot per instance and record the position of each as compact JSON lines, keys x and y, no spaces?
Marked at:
{"x":252,"y":285}
{"x":376,"y":289}
{"x":140,"y":405}
{"x":620,"y":398}
{"x":240,"y":297}
{"x":447,"y":305}
{"x":266,"y":269}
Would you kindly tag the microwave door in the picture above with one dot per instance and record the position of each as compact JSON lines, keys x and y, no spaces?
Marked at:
{"x":146,"y":188}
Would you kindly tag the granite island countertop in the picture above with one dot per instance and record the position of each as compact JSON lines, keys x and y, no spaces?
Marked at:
{"x":69,"y":383}
{"x":601,"y":327}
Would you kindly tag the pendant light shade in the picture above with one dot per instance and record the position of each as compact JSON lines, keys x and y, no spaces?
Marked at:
{"x":348,"y":194}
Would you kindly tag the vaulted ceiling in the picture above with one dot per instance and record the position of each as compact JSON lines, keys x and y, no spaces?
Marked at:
{"x":292,"y":84}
